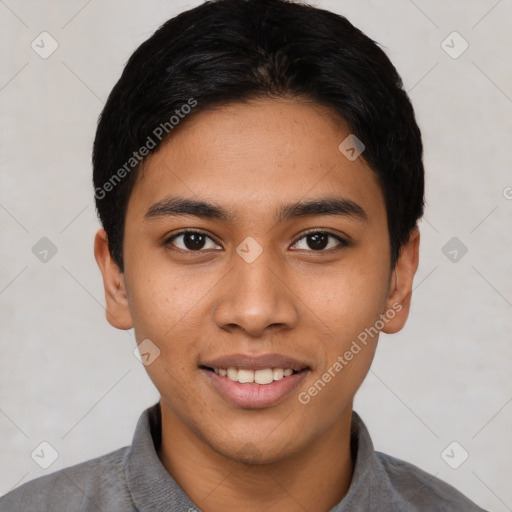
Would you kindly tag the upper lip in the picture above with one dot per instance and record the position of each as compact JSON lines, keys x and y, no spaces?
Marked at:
{"x":255,"y":362}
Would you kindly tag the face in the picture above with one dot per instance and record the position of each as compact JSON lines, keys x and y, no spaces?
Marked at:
{"x":253,"y":245}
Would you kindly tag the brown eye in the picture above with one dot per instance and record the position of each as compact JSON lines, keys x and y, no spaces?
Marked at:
{"x":320,"y":240}
{"x":192,"y":241}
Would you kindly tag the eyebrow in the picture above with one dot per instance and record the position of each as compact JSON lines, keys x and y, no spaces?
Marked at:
{"x":172,"y":206}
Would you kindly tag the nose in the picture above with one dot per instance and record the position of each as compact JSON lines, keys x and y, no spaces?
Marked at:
{"x":255,"y":297}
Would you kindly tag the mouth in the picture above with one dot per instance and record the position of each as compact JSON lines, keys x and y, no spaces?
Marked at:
{"x":254,"y":383}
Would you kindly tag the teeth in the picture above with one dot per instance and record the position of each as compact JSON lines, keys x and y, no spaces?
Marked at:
{"x":263,"y":376}
{"x":245,"y":376}
{"x":278,"y":373}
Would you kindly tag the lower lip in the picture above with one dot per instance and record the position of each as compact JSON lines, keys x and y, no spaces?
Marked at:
{"x":255,"y":396}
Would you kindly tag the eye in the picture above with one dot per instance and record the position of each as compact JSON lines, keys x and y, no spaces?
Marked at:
{"x":319,"y":241}
{"x":195,"y":241}
{"x":192,"y":241}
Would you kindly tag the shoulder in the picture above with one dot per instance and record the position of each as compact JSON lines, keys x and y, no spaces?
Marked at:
{"x":97,"y":484}
{"x":420,"y":491}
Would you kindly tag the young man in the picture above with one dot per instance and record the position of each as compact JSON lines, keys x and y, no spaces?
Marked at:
{"x":258,"y":175}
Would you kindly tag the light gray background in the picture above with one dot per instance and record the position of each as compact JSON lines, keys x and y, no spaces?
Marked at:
{"x":68,"y":378}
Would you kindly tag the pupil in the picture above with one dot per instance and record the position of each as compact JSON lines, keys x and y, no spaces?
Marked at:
{"x":320,"y":241}
{"x":194,"y":241}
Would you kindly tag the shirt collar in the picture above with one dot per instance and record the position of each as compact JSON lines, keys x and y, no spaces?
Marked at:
{"x":154,"y":490}
{"x":151,"y":487}
{"x":364,"y":457}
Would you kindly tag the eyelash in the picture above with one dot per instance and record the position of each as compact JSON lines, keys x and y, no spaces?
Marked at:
{"x":342,"y":242}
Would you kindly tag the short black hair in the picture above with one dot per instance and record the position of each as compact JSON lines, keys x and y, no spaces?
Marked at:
{"x":227,"y":51}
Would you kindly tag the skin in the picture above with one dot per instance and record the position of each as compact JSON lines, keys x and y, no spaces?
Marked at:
{"x":293,"y":299}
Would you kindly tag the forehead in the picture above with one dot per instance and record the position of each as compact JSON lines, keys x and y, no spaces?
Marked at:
{"x":251,"y":156}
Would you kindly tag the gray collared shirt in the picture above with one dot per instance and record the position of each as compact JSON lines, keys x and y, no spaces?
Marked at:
{"x":134,"y":479}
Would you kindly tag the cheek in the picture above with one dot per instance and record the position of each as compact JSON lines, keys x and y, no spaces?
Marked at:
{"x":345,"y":307}
{"x":159,"y":295}
{"x":348,"y":298}
{"x":165,"y":309}
{"x":169,"y":306}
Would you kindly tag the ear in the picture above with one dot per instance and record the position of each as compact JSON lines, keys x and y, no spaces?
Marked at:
{"x":400,"y":290}
{"x":116,"y":308}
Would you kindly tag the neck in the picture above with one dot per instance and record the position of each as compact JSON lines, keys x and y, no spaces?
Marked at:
{"x":317,"y":478}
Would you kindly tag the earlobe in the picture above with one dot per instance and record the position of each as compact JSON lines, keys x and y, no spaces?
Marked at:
{"x":116,"y":301}
{"x":400,"y":291}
